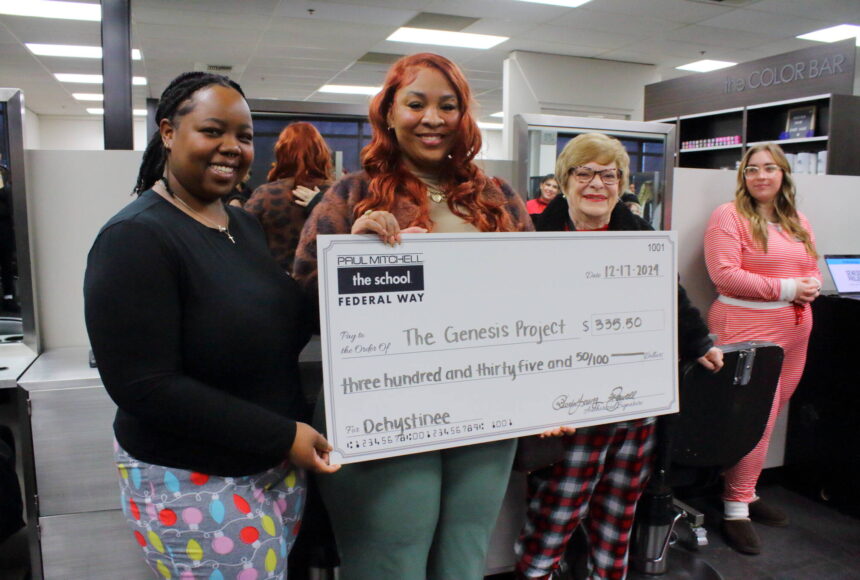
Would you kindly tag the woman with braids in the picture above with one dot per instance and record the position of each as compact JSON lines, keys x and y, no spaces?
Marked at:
{"x":302,"y":171}
{"x":760,"y":253}
{"x":427,"y":515}
{"x":197,"y":331}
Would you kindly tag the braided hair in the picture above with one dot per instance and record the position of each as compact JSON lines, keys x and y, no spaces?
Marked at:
{"x":172,"y":105}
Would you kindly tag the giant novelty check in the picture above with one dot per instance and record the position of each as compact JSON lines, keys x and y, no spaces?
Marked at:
{"x":457,"y":339}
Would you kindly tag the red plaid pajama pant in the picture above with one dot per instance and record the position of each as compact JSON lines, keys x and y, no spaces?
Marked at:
{"x":597,"y":484}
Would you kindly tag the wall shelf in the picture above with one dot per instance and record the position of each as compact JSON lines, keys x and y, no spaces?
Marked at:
{"x":715,"y":148}
{"x":837,"y":123}
{"x":781,"y":142}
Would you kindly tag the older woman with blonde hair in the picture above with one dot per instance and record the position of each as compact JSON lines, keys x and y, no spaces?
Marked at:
{"x":760,"y":253}
{"x":605,"y":467}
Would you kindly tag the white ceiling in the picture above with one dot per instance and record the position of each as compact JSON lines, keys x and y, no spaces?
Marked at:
{"x":287,"y":49}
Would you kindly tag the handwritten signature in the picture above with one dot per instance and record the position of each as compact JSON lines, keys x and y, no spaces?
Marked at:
{"x":617,"y":399}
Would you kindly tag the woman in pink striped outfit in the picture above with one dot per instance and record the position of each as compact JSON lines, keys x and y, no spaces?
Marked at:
{"x":760,"y":253}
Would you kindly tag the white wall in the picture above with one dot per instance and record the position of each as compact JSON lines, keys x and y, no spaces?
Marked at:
{"x":71,"y":194}
{"x":518,"y":98}
{"x":493,"y":146}
{"x":81,"y":133}
{"x":31,"y":129}
{"x":567,"y":85}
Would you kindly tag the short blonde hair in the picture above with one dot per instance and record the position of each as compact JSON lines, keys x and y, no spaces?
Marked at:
{"x":595,"y":147}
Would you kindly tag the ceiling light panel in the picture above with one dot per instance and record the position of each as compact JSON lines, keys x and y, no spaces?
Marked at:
{"x":445,"y":38}
{"x":72,"y":50}
{"x":100,"y":111}
{"x":92,"y":79}
{"x":567,"y":3}
{"x":834,"y":33}
{"x":89,"y":96}
{"x":706,"y":65}
{"x":49,"y":9}
{"x":349,"y":89}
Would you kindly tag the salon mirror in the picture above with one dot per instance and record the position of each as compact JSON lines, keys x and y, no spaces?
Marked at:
{"x":19,"y":335}
{"x":538,"y":140}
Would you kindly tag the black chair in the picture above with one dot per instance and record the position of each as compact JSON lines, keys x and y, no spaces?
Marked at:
{"x":723,"y":416}
{"x":11,"y":503}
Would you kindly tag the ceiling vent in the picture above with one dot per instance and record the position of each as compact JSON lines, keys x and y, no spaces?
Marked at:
{"x":221,"y":69}
{"x":441,"y":22}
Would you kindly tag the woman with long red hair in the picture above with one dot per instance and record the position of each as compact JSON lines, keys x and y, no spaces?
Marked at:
{"x":427,"y":515}
{"x":302,"y":169}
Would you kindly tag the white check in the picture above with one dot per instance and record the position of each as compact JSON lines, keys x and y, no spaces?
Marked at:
{"x":457,"y":339}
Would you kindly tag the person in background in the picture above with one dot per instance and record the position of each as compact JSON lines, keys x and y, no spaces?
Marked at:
{"x":197,"y":332}
{"x":302,"y":171}
{"x":647,"y":200}
{"x":760,"y":253}
{"x":239,"y":196}
{"x":547,"y":191}
{"x":632,"y":203}
{"x":427,"y":515}
{"x":605,"y":467}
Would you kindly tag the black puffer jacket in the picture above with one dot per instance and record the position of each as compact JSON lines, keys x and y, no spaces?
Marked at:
{"x":693,"y":340}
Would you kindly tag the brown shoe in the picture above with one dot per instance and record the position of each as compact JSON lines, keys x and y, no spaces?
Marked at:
{"x":769,"y":515}
{"x":741,"y":536}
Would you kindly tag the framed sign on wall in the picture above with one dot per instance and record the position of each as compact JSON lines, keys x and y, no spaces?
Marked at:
{"x":800,"y":122}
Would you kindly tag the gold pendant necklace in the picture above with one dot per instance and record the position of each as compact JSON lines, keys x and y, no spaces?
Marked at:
{"x":436,"y":194}
{"x":221,"y":229}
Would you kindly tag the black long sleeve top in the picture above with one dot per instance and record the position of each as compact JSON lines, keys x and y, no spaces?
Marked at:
{"x":693,"y":339}
{"x":196,"y":338}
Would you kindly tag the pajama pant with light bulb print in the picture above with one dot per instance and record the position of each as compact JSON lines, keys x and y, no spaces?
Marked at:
{"x":195,"y":526}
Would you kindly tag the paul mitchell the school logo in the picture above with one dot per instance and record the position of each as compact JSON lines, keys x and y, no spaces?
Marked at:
{"x":366,"y":279}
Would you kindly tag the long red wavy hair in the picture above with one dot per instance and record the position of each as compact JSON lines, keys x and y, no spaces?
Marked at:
{"x":302,"y":153}
{"x":463,"y":181}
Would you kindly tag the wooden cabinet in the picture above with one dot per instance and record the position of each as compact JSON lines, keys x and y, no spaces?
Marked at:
{"x":718,"y":139}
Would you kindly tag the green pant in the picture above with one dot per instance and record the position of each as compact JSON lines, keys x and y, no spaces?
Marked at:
{"x":416,"y":517}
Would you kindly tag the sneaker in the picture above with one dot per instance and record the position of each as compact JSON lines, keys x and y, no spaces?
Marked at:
{"x":769,"y":515}
{"x":741,"y":536}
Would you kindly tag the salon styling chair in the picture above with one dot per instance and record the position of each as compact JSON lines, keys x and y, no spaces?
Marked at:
{"x":723,"y":416}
